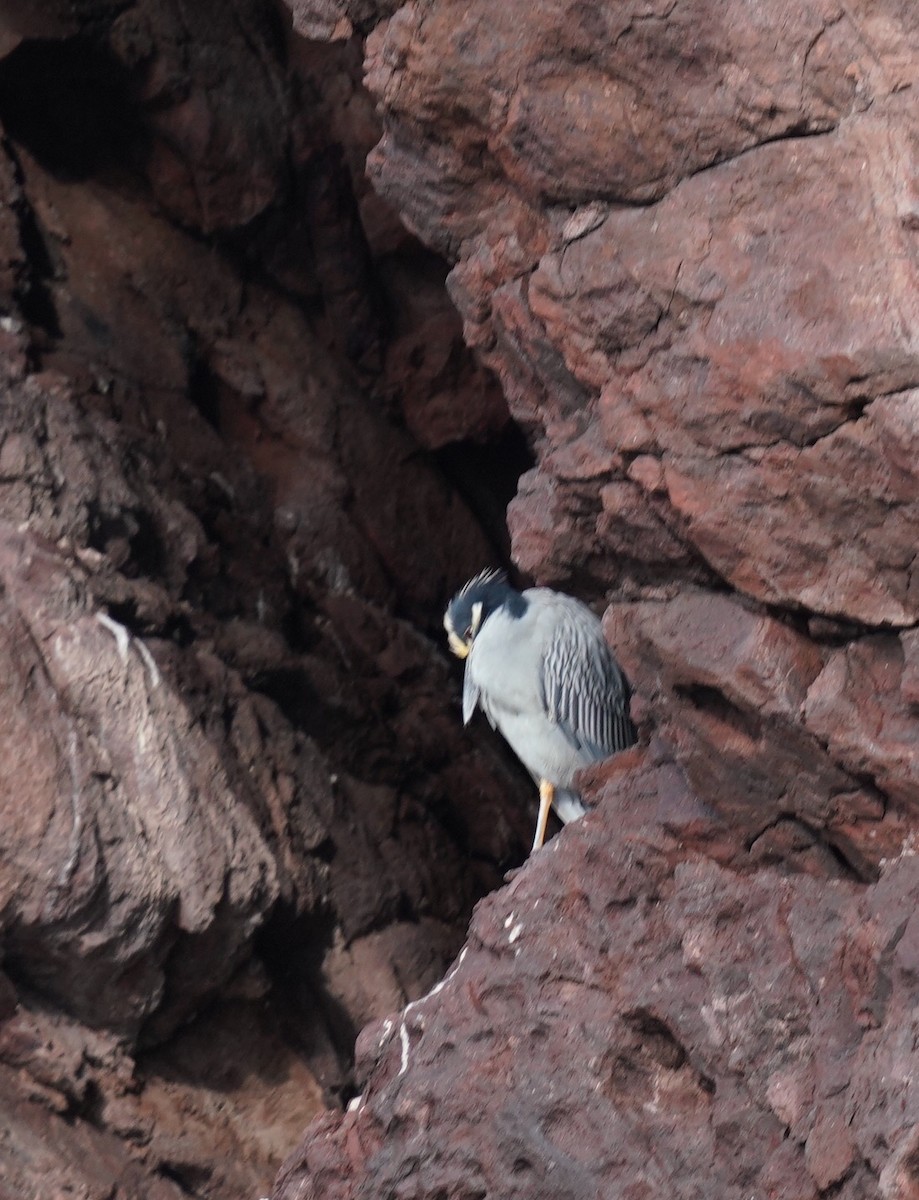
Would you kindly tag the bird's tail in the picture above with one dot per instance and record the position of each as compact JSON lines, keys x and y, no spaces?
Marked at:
{"x":568,"y":805}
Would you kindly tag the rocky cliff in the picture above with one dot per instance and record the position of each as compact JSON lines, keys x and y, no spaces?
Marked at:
{"x":649,"y":274}
{"x":684,"y":238}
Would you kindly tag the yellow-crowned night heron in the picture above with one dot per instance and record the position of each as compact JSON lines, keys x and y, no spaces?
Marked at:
{"x":539,"y":667}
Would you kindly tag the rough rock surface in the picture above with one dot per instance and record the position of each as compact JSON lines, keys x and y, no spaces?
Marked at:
{"x":245,"y":455}
{"x":684,"y":238}
{"x":632,"y":1017}
{"x":237,"y":801}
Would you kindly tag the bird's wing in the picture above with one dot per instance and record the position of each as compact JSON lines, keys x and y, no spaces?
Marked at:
{"x":584,"y":691}
{"x":474,"y":695}
{"x":470,"y":694}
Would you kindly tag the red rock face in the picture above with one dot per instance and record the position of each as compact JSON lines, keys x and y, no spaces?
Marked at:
{"x":684,"y":239}
{"x":245,"y":456}
{"x":747,"y":335}
{"x":633,"y":1018}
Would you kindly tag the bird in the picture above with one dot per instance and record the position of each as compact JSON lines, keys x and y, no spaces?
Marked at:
{"x":539,"y":667}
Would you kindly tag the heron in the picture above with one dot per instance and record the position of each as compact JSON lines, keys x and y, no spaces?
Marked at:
{"x":539,"y":667}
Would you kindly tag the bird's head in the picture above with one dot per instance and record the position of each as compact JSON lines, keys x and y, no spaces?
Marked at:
{"x":473,"y":604}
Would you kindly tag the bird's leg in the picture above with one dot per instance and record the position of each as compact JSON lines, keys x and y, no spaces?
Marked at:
{"x":546,"y":796}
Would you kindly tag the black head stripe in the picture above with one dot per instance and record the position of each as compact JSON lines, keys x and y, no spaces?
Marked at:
{"x":490,"y":589}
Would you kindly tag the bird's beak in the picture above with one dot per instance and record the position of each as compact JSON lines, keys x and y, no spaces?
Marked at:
{"x":457,"y":645}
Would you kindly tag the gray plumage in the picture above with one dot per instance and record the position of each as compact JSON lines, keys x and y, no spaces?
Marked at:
{"x":539,"y":667}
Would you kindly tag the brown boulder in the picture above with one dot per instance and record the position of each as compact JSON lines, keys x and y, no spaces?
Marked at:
{"x":630,"y":1018}
{"x":736,"y":694}
{"x":864,"y":709}
{"x":134,"y":843}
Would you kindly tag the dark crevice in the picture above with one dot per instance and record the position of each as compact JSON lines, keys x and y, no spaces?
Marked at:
{"x":65,"y":102}
{"x":292,"y":949}
{"x":203,"y":387}
{"x":33,"y":291}
{"x":800,"y":129}
{"x":486,"y":475}
{"x":835,"y":632}
{"x":176,"y":628}
{"x":72,"y":105}
{"x":300,"y":625}
{"x":657,"y":1039}
{"x":310,"y":248}
{"x":851,"y":863}
{"x":859,"y":869}
{"x":33,"y":276}
{"x":716,"y":704}
{"x":130,"y":537}
{"x":148,"y":557}
{"x":191,"y":1178}
{"x":654,"y":191}
{"x":292,"y":690}
{"x":89,"y":1107}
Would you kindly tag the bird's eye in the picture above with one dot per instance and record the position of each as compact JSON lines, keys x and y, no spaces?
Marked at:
{"x":467,"y":636}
